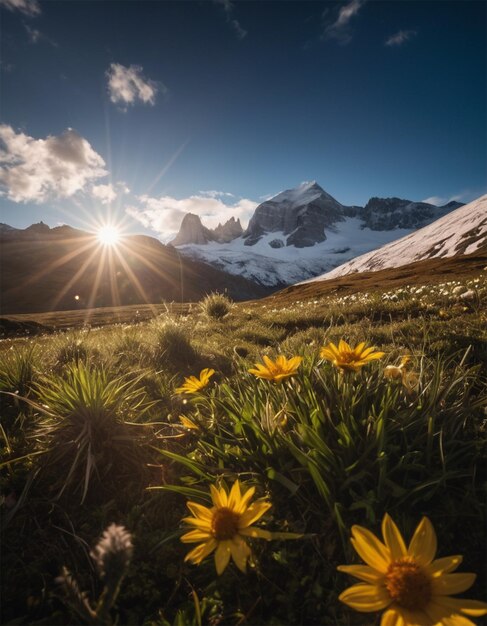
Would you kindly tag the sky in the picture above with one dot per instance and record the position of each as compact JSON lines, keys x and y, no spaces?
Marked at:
{"x":137,"y":112}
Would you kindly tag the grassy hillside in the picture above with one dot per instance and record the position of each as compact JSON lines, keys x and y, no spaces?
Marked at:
{"x":97,"y":429}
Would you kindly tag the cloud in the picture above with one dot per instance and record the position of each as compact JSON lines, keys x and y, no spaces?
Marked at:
{"x":30,"y":8}
{"x":165,"y":214}
{"x":126,"y":85}
{"x":400,"y":38}
{"x":228,"y":7}
{"x":36,"y":36}
{"x":339,"y":28}
{"x":464,"y":196}
{"x":212,"y":193}
{"x":106,"y":194}
{"x":36,"y":170}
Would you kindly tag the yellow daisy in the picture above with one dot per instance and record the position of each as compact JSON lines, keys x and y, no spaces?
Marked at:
{"x":413,"y":588}
{"x":193,"y":384}
{"x":347,"y":358}
{"x":277,"y":370}
{"x":223,"y":528}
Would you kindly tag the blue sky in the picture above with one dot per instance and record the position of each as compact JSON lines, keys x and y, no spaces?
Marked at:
{"x":141,"y":111}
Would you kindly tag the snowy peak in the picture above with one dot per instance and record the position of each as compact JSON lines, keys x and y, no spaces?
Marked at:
{"x":300,"y":214}
{"x":462,"y":231}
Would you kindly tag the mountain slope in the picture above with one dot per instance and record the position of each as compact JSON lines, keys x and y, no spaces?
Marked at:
{"x":303,"y":232}
{"x":63,"y":269}
{"x":462,"y":231}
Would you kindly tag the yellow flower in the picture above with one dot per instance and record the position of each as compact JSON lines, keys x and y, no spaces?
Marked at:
{"x":410,"y":380}
{"x":413,"y":588}
{"x":187,"y":423}
{"x":193,"y":384}
{"x":347,"y":358}
{"x":277,"y":370}
{"x":223,"y":528}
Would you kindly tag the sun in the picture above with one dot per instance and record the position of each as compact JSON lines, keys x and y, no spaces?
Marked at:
{"x":108,"y":235}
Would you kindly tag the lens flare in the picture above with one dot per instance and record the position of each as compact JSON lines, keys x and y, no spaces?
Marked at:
{"x":108,"y":235}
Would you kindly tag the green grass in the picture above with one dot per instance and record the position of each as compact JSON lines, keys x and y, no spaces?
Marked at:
{"x":92,"y":435}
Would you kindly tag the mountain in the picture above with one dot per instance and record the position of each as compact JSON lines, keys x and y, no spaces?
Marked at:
{"x":460,"y":232}
{"x":390,"y":213}
{"x":43,"y":269}
{"x":300,"y":214}
{"x":192,"y":231}
{"x":303,"y":232}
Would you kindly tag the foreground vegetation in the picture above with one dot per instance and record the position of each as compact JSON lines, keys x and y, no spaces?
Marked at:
{"x":108,"y":434}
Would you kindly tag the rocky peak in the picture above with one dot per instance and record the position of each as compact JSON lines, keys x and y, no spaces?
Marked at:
{"x":391,"y":213}
{"x":192,"y":231}
{"x":228,"y":231}
{"x":302,"y":214}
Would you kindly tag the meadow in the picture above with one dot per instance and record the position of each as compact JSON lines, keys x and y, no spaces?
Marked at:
{"x":108,"y":432}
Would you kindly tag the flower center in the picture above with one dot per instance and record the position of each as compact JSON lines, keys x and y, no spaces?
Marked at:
{"x":408,"y":584}
{"x":224,"y":524}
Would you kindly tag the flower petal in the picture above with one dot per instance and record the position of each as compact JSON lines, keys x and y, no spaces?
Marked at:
{"x":253,"y":513}
{"x":391,"y":618}
{"x":452,"y":583}
{"x":362,"y":572}
{"x":393,"y":538}
{"x":200,"y":552}
{"x":413,"y":618}
{"x":475,"y":608}
{"x":194,"y":536}
{"x":234,"y":496}
{"x":222,"y":556}
{"x":240,"y":553}
{"x":365,"y":598}
{"x":202,"y":524}
{"x":219,"y":497}
{"x":457,"y":620}
{"x":244,"y":500}
{"x":423,"y":544}
{"x":254,"y":532}
{"x":444,"y":565}
{"x":370,"y":549}
{"x":198,"y":510}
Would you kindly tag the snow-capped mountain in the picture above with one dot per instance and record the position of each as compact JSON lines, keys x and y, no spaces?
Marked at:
{"x":462,"y":231}
{"x":302,"y":232}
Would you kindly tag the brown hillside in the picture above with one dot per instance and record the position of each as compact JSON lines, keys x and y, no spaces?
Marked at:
{"x":55,"y":271}
{"x":430,"y":271}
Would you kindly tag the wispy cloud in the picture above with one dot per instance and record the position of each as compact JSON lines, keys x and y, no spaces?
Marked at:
{"x":128,"y":85}
{"x":31,"y":8}
{"x":338,"y":27}
{"x":400,"y":38}
{"x":464,"y":196}
{"x":228,"y":7}
{"x":36,"y":36}
{"x":38,"y":170}
{"x":213,"y":193}
{"x":164,"y":214}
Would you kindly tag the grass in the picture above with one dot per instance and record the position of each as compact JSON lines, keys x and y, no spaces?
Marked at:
{"x":94,"y":434}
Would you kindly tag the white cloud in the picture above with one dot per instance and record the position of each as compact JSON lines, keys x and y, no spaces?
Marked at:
{"x":27,"y":7}
{"x":339,"y":28}
{"x":465,"y":196}
{"x":400,"y":37}
{"x":212,"y":193}
{"x":106,"y":194}
{"x":35,"y":170}
{"x":164,"y":214}
{"x":126,"y":85}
